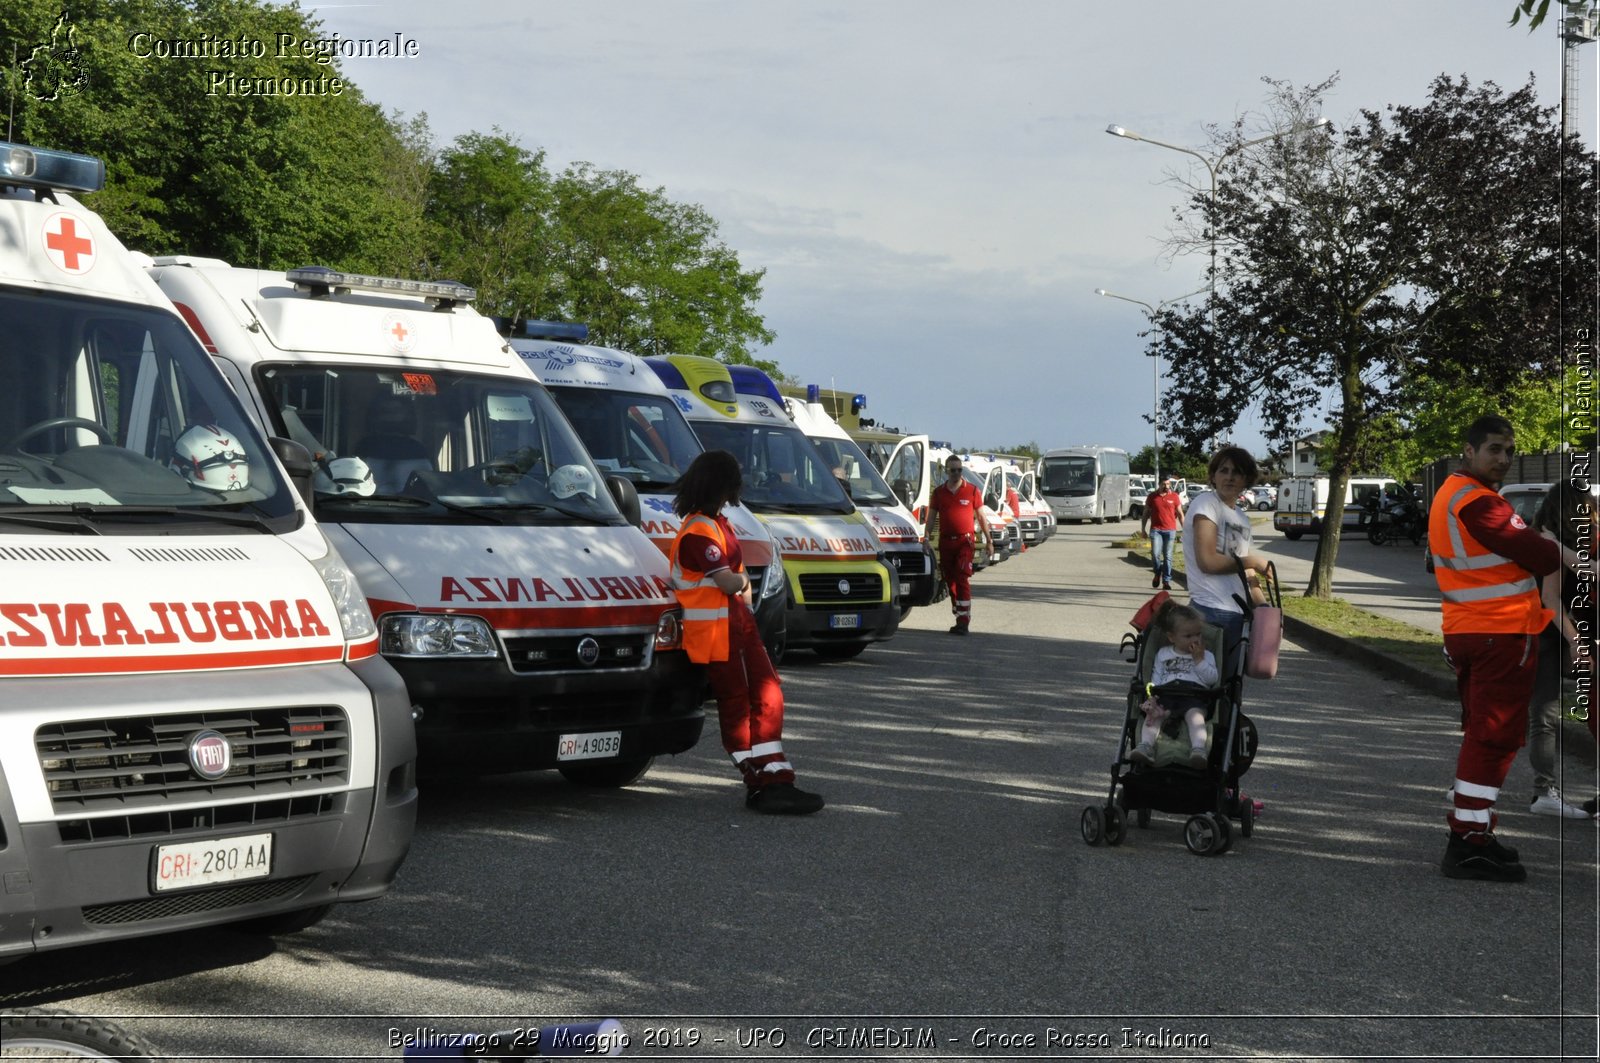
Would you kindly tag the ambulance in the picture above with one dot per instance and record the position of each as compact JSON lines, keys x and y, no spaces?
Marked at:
{"x":1034,"y":517}
{"x":990,"y":476}
{"x":195,"y":725}
{"x":632,"y":428}
{"x":841,"y":593}
{"x":904,"y":546}
{"x":532,"y":622}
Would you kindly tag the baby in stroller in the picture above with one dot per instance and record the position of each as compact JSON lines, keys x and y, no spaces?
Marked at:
{"x":1183,"y":658}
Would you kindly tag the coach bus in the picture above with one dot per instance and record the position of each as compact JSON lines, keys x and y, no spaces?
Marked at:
{"x":1085,"y":483}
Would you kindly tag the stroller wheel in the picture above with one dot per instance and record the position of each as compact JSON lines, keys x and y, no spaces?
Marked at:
{"x":1207,"y":834}
{"x":1093,"y":825}
{"x":1247,"y":816}
{"x":1142,"y":817}
{"x":1116,"y":825}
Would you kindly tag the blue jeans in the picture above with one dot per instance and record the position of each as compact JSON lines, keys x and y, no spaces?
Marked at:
{"x":1232,"y":625}
{"x":1161,"y":552}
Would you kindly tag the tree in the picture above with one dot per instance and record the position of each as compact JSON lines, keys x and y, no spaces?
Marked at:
{"x":1176,"y":460}
{"x":1422,"y":245}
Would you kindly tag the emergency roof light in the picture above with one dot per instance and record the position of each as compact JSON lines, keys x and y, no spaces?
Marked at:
{"x":320,"y":281}
{"x":569,"y":331}
{"x":25,"y":167}
{"x":858,"y":403}
{"x":748,"y":380}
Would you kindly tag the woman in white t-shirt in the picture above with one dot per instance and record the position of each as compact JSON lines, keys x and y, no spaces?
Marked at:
{"x":1215,"y":533}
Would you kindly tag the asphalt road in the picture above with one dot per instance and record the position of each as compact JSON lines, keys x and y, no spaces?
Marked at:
{"x":944,"y":904}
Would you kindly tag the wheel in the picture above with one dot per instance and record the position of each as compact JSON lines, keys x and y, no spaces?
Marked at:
{"x":1263,"y":505}
{"x":285,"y":922}
{"x":1292,"y":535}
{"x":52,"y":1033}
{"x":1247,"y":816}
{"x":1200,"y":834}
{"x":606,"y":773}
{"x":1224,"y":831}
{"x":1116,"y":825}
{"x":1142,"y":818}
{"x":1093,"y":825}
{"x":60,"y":422}
{"x":1377,"y":533}
{"x":840,"y":651}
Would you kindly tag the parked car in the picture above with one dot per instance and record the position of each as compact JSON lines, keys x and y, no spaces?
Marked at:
{"x":1525,"y":498}
{"x":1266,"y":496}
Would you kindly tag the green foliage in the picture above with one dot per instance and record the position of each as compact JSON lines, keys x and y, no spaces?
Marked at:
{"x":1536,"y":10}
{"x":1176,"y":460}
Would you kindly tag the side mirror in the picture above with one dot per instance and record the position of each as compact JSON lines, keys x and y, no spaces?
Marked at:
{"x":626,"y":497}
{"x":296,"y":461}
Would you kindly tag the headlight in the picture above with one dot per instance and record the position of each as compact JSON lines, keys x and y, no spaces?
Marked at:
{"x":355,"y":617}
{"x":669,"y":630}
{"x":436,"y":635}
{"x":772,"y":581}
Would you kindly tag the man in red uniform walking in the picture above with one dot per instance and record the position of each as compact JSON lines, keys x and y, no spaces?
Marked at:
{"x":1487,"y":561}
{"x":1163,"y":515}
{"x":957,"y":509}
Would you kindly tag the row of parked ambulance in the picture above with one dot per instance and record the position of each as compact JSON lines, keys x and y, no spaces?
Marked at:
{"x":271,"y":541}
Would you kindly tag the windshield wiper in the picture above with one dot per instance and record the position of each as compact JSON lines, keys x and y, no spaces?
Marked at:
{"x":50,"y":518}
{"x":202,"y":513}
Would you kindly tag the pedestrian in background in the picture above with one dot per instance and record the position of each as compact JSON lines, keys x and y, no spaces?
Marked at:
{"x":1568,"y":516}
{"x":1163,"y":516}
{"x":1487,"y":562}
{"x":957,"y":525}
{"x":719,"y":631}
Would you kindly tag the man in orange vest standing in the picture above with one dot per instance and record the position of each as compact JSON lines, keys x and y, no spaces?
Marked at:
{"x":957,"y":517}
{"x":719,"y":631}
{"x":1487,"y":563}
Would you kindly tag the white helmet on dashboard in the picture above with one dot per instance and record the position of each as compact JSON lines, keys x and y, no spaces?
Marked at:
{"x":208,"y":457}
{"x":345,"y":476}
{"x":571,"y":480}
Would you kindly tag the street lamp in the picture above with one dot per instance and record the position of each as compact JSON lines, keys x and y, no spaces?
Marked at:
{"x":1212,"y":166}
{"x":1155,"y":368}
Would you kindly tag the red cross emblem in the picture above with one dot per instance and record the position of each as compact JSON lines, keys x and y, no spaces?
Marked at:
{"x":401,"y":336}
{"x":68,"y":244}
{"x":399,"y":331}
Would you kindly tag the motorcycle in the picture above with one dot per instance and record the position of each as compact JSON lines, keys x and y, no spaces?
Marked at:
{"x":1397,"y":518}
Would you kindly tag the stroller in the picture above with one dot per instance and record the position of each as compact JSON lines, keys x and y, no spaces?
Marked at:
{"x":1209,"y":796}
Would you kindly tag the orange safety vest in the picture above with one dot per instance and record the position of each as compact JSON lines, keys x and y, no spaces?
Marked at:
{"x":1480,"y":591}
{"x":705,"y":605}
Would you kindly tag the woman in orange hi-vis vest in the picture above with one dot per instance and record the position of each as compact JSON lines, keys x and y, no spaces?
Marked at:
{"x":1487,"y":561}
{"x":719,"y":631}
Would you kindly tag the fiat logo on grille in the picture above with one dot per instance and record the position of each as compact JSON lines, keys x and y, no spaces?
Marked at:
{"x":588,"y":651}
{"x":210,"y":755}
{"x":844,"y":586}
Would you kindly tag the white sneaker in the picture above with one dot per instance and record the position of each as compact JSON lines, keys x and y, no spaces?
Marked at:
{"x":1548,"y":802}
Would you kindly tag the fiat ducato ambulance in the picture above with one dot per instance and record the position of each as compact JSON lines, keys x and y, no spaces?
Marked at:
{"x":533,"y":624}
{"x":904,"y":546}
{"x":195,"y":725}
{"x":632,"y":428}
{"x":841,"y":593}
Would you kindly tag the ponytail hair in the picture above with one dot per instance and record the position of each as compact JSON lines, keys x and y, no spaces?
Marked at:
{"x":1171,"y":614}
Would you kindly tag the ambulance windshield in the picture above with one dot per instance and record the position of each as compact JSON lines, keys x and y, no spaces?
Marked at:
{"x":851,"y":465}
{"x":111,"y":415}
{"x":436,"y":446}
{"x":640,"y":436}
{"x":782,"y":471}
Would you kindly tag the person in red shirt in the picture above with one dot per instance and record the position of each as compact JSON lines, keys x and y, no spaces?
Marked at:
{"x":1486,"y":561}
{"x":1163,"y":515}
{"x":957,"y":525}
{"x":719,"y":631}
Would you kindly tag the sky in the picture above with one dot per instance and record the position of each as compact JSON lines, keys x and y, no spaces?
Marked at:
{"x":928,"y":184}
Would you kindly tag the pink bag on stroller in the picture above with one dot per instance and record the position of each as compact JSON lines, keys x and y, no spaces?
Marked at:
{"x":1266,"y":632}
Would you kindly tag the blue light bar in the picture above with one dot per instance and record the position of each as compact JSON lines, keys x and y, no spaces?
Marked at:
{"x":569,"y":331}
{"x":40,"y":168}
{"x":858,"y":403}
{"x":748,"y":380}
{"x":813,"y":393}
{"x":321,"y":281}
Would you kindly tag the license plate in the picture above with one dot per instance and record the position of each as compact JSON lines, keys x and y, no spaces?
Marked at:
{"x":905,"y":587}
{"x":187,"y":865}
{"x":589,"y":746}
{"x":839,"y":621}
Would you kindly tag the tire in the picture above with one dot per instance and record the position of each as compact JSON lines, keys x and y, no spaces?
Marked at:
{"x":1263,"y":505}
{"x":1247,"y":816}
{"x":606,"y":774}
{"x":1142,"y":818}
{"x":1116,"y":825}
{"x":1377,"y":533}
{"x":840,"y":651}
{"x":285,"y":922}
{"x":1293,"y":535}
{"x":54,"y":1033}
{"x":1200,"y":834}
{"x":1224,"y":830}
{"x":1093,"y":825}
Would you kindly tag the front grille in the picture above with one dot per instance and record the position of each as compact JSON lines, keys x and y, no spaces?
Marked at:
{"x":143,"y":761}
{"x":907,"y":563}
{"x":821,"y":588}
{"x":560,"y":653}
{"x":169,"y":825}
{"x":189,"y":903}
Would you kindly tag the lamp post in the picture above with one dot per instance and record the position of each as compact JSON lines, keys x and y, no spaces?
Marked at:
{"x":1155,"y":369}
{"x":1213,"y":165}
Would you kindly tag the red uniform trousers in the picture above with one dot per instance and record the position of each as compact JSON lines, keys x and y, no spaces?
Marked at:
{"x":750,"y":702}
{"x":955,"y":561}
{"x":1494,"y":676}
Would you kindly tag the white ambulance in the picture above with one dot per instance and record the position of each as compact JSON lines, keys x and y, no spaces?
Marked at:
{"x":195,"y":726}
{"x":1034,"y":517}
{"x":990,"y":476}
{"x":841,"y":594}
{"x":533,"y":624}
{"x":631,"y":427}
{"x":904,"y":546}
